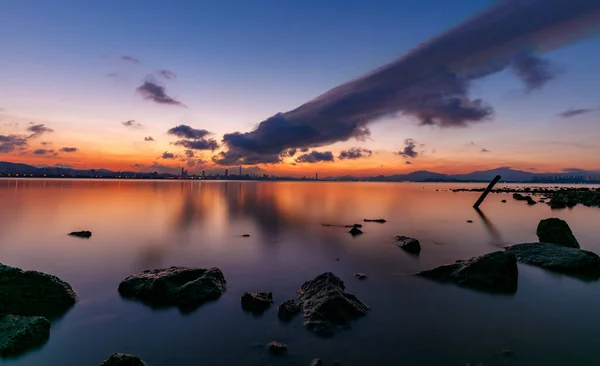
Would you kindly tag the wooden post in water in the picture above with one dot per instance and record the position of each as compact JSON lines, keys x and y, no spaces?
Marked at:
{"x":487,"y":190}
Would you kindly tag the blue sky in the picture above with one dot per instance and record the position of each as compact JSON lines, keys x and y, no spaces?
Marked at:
{"x":239,"y":62}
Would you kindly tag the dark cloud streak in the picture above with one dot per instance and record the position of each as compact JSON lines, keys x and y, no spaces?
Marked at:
{"x":150,"y":90}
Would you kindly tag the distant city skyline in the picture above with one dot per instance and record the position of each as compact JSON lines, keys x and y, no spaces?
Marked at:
{"x":252,"y":87}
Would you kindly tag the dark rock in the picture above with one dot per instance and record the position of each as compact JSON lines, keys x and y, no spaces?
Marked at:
{"x":337,"y":259}
{"x":381,"y":221}
{"x":531,"y":201}
{"x":503,"y":201}
{"x":355,"y":225}
{"x":325,"y":303}
{"x":493,"y":272}
{"x":355,"y":231}
{"x":519,"y":197}
{"x":556,"y":231}
{"x":316,"y":362}
{"x":288,"y":309}
{"x":22,"y":333}
{"x":257,"y":302}
{"x":81,"y":234}
{"x":122,"y":359}
{"x":277,"y":349}
{"x":184,"y":287}
{"x":470,"y":221}
{"x":557,"y":258}
{"x":245,"y":235}
{"x":360,"y":276}
{"x":409,"y":244}
{"x":31,"y":293}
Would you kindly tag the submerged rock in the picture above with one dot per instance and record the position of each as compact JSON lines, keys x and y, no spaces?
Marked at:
{"x":245,"y":235}
{"x":81,"y":234}
{"x":21,"y":333}
{"x":31,"y":293}
{"x":316,"y":362}
{"x":381,"y":221}
{"x":361,"y":276}
{"x":409,"y":244}
{"x":276,"y":348}
{"x":325,"y":303}
{"x":520,"y":197}
{"x":556,"y":231}
{"x":493,"y":272}
{"x":257,"y":302}
{"x":503,"y":201}
{"x":288,"y":309}
{"x":355,"y":231}
{"x":123,"y":359}
{"x":183,"y":287}
{"x":557,"y":258}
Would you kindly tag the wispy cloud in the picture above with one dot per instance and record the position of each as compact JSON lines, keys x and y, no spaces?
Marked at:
{"x":168,"y":155}
{"x":44,"y":152}
{"x":431,"y":83}
{"x":355,"y":153}
{"x":68,"y":149}
{"x":149,"y":138}
{"x":38,"y":130}
{"x":315,"y":157}
{"x":9,"y":143}
{"x":167,"y":74}
{"x":407,"y":162}
{"x":131,"y":59}
{"x":131,"y":123}
{"x":150,"y":90}
{"x":409,"y":150}
{"x":484,"y":150}
{"x":574,"y":112}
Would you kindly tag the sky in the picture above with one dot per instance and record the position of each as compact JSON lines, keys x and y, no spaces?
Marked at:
{"x":210,"y":85}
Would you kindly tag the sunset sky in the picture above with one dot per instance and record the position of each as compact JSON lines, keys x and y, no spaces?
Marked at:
{"x":101,"y":84}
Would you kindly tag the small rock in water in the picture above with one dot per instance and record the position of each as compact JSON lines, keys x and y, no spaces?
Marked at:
{"x":257,"y":302}
{"x":22,"y":333}
{"x":503,"y":201}
{"x":556,"y":231}
{"x":123,"y":359}
{"x":316,"y":362}
{"x":81,"y":234}
{"x":381,"y":221}
{"x":337,"y":259}
{"x":409,"y":244}
{"x":470,"y":221}
{"x":355,"y":231}
{"x":288,"y":309}
{"x":245,"y":235}
{"x":276,"y":348}
{"x":360,"y":276}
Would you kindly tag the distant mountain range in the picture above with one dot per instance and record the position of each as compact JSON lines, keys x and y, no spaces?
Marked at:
{"x":507,"y":174}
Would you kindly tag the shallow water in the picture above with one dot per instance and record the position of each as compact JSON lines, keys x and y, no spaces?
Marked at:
{"x":137,"y":225}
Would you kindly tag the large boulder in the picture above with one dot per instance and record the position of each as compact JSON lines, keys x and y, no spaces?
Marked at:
{"x":409,"y":244}
{"x":21,"y":333}
{"x":557,"y":258}
{"x":493,"y":272}
{"x":325,"y":303}
{"x":556,"y":231}
{"x":184,"y":287}
{"x":257,"y":302}
{"x":123,"y":359}
{"x":30,"y":293}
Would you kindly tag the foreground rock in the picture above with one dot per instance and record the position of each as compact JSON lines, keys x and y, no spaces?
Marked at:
{"x":325,"y":304}
{"x":122,"y":359}
{"x":276,"y":348}
{"x":257,"y":302}
{"x":355,"y":231}
{"x":316,"y":362}
{"x":557,"y":258}
{"x":409,"y":244}
{"x":556,"y":231}
{"x":31,"y":293}
{"x":493,"y":272}
{"x":381,"y":221}
{"x":21,"y":333}
{"x":81,"y":234}
{"x":184,"y":287}
{"x":288,"y":309}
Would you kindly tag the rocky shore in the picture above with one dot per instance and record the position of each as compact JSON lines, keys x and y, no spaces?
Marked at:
{"x":556,"y":197}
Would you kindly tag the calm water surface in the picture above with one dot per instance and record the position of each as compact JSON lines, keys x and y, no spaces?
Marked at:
{"x":138,"y":225}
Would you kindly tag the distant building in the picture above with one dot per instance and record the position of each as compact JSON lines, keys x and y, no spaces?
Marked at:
{"x":226,"y":173}
{"x":184,"y":173}
{"x":240,"y":170}
{"x":203,"y":174}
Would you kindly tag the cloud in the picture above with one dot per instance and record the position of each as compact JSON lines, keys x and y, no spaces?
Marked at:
{"x":304,"y":149}
{"x":233,"y":157}
{"x":409,"y":149}
{"x":38,"y":130}
{"x":187,"y":132}
{"x":195,"y":163}
{"x":189,"y":153}
{"x":149,"y":138}
{"x":131,"y":123}
{"x":113,"y":75}
{"x":355,"y":153}
{"x":44,"y":143}
{"x":289,"y":152}
{"x":168,"y":155}
{"x":133,"y":60}
{"x":69,"y":149}
{"x":574,"y":112}
{"x":9,"y":143}
{"x":167,"y":74}
{"x":407,"y":162}
{"x":432,"y":82}
{"x":201,"y":144}
{"x":44,"y":152}
{"x":484,"y":150}
{"x":315,"y":157}
{"x":149,"y":90}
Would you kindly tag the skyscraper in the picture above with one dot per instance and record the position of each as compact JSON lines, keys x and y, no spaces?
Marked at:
{"x":226,"y":173}
{"x":240,"y":170}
